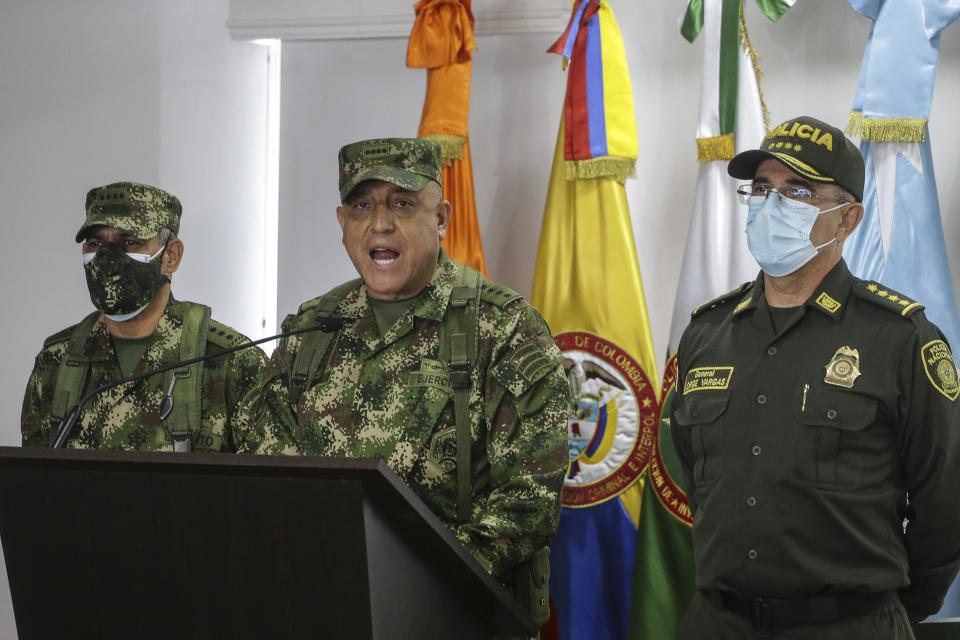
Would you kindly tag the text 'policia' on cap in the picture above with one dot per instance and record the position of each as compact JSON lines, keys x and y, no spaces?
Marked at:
{"x":810,"y":148}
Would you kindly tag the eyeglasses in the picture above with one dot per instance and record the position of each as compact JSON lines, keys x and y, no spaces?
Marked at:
{"x":748,"y":191}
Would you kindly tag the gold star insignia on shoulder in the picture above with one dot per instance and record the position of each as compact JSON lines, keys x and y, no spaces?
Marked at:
{"x":887,"y":298}
{"x":797,"y":147}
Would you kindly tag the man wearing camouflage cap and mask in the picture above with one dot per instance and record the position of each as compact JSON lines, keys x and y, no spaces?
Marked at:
{"x":816,"y":421}
{"x":454,"y":380}
{"x":130,"y":252}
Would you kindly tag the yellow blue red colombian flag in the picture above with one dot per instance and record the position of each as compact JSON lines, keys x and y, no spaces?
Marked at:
{"x":587,"y":285}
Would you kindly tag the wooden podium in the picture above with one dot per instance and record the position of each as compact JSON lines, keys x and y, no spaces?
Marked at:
{"x":157,"y":545}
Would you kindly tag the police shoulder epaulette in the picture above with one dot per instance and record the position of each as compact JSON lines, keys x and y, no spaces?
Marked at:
{"x":722,"y":299}
{"x":886,"y":298}
{"x":221,"y":335}
{"x":60,"y":336}
{"x":331,"y":298}
{"x":497,"y":294}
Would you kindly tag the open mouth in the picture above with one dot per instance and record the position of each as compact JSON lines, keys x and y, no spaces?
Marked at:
{"x":384,"y":257}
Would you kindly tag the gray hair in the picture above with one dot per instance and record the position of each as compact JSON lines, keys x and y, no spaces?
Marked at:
{"x":166,"y":235}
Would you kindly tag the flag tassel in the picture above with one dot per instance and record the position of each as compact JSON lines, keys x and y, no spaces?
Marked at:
{"x":887,"y":129}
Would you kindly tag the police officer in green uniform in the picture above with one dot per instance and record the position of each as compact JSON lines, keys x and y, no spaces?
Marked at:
{"x":816,"y":420}
{"x":130,"y":252}
{"x":453,"y":380}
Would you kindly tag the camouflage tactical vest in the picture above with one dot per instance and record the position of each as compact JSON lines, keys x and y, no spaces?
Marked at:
{"x":183,"y":384}
{"x":459,"y":338}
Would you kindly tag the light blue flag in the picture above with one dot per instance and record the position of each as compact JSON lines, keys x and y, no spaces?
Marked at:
{"x":900,"y":241}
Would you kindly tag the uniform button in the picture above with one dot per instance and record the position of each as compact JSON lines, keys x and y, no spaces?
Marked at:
{"x":752,"y":554}
{"x":756,"y":450}
{"x":751,"y":501}
{"x":761,"y":399}
{"x":831,"y":414}
{"x":772,"y":351}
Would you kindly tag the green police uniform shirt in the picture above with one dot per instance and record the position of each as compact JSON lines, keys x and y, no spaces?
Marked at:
{"x":128,"y":416}
{"x":799,"y":448}
{"x":390,"y":397}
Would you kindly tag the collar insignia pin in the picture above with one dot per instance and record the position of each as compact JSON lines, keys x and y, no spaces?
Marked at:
{"x":828,"y":303}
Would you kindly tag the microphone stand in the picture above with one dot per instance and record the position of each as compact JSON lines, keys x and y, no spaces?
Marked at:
{"x":69,"y":420}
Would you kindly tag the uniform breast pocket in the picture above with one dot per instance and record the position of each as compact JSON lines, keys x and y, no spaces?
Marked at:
{"x":702,"y":414}
{"x":836,"y":448}
{"x":322,"y":412}
{"x":424,"y":407}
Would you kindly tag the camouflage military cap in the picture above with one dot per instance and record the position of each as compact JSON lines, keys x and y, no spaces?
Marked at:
{"x":409,"y":163}
{"x":138,"y":210}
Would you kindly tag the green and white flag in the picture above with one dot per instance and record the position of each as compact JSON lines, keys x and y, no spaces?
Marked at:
{"x":732,"y":119}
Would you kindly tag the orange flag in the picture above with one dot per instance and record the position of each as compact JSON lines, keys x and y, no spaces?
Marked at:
{"x":441,"y":42}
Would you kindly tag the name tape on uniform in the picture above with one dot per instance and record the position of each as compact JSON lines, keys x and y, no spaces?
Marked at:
{"x":702,"y":378}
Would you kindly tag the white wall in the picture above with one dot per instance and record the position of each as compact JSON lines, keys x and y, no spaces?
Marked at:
{"x":107,"y":90}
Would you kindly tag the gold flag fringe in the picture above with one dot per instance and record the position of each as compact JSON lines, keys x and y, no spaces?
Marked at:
{"x":715,"y":148}
{"x":450,"y":146}
{"x":616,"y":167}
{"x":755,"y":59}
{"x":887,"y":129}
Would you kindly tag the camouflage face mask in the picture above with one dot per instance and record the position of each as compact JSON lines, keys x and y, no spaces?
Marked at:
{"x":121,"y":285}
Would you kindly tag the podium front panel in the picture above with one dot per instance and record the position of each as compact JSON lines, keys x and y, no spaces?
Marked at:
{"x":158,"y":545}
{"x":134,"y":555}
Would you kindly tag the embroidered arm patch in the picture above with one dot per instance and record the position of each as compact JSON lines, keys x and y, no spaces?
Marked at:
{"x":940,"y":368}
{"x":527,"y":364}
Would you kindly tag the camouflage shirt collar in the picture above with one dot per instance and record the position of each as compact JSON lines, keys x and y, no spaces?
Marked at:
{"x":99,"y":344}
{"x":166,"y":337}
{"x":431,"y":303}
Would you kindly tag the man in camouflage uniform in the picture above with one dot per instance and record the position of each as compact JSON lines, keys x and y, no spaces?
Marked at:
{"x":130,"y":252}
{"x":816,"y":421}
{"x":416,"y":330}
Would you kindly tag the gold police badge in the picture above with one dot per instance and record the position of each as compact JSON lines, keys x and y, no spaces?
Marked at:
{"x":843,"y":368}
{"x":940,"y":368}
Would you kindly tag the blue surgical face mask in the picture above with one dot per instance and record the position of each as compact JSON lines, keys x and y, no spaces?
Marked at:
{"x":778,"y":233}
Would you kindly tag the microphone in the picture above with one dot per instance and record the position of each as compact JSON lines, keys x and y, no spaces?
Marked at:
{"x":327,"y":325}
